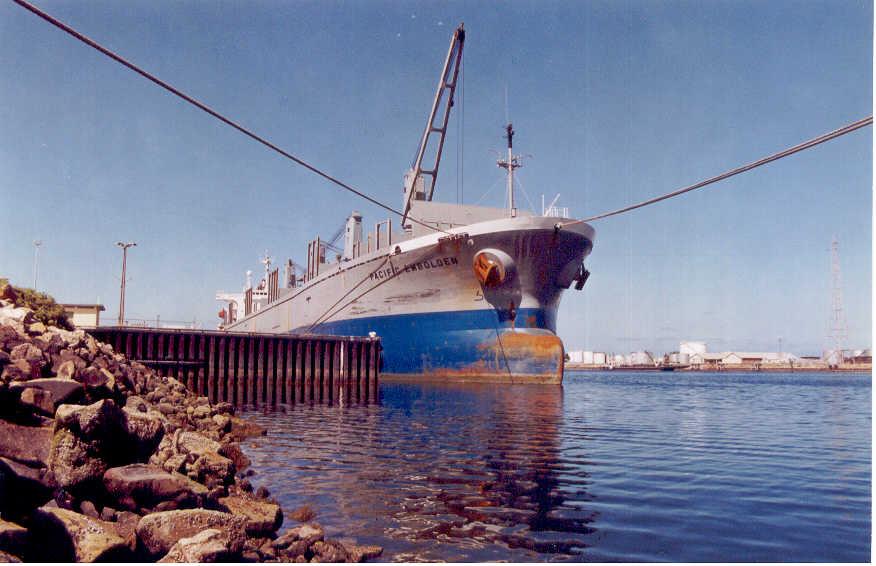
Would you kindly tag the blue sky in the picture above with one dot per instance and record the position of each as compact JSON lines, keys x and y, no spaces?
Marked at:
{"x":615,"y":101}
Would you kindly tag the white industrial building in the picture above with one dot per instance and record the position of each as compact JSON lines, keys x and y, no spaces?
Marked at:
{"x":586,"y":357}
{"x":743,"y":358}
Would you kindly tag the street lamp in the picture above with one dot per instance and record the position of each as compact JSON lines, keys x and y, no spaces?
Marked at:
{"x":124,"y":247}
{"x":36,"y":261}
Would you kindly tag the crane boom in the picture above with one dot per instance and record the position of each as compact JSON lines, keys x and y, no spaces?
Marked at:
{"x":415,"y":179}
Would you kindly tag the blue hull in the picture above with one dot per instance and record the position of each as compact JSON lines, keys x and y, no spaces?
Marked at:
{"x":463,"y":345}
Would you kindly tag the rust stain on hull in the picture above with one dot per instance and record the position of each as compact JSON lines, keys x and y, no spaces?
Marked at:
{"x":473,"y":376}
{"x":513,"y":357}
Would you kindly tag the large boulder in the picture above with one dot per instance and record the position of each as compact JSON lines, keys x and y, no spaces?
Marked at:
{"x":294,"y":543}
{"x":329,"y":551}
{"x":242,"y":429}
{"x":11,"y":315}
{"x":126,"y":527}
{"x":361,"y":553}
{"x":210,"y":545}
{"x":17,"y":370}
{"x":100,"y":421}
{"x":307,"y":534}
{"x":30,"y":445}
{"x":196,"y":455}
{"x":66,"y":536}
{"x":195,"y":443}
{"x":67,"y":363}
{"x":97,"y":379}
{"x":262,"y":517}
{"x":23,"y":488}
{"x":90,"y":439}
{"x":9,"y":337}
{"x":158,"y":532}
{"x":8,"y":293}
{"x":36,"y":328}
{"x":13,"y":538}
{"x":31,"y":355}
{"x":145,"y":428}
{"x":213,"y":467}
{"x":233,"y":452}
{"x":48,"y":340}
{"x":140,"y":486}
{"x":63,"y":390}
{"x":37,"y":401}
{"x":74,"y":461}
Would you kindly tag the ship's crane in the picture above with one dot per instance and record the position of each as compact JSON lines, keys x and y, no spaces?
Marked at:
{"x":420,"y":180}
{"x":330,"y":243}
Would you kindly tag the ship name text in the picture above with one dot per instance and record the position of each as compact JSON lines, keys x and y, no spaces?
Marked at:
{"x":438,"y":263}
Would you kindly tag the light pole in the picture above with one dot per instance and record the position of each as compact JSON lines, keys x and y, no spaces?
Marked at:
{"x":124,"y":247}
{"x":36,"y":261}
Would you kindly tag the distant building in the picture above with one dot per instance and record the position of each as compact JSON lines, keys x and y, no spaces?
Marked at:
{"x":576,"y":356}
{"x":84,"y":316}
{"x":743,"y":359}
{"x":711,"y":360}
{"x":862,"y":357}
{"x":586,"y":357}
{"x":642,"y":358}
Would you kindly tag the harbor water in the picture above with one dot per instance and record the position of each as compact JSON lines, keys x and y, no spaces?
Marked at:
{"x":610,"y":466}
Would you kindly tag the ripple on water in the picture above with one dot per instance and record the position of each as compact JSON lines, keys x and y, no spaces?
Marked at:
{"x":610,"y":466}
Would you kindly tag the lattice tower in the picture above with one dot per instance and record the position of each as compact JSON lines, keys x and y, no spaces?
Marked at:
{"x":839,"y":328}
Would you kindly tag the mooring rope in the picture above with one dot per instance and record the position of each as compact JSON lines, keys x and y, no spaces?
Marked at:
{"x":763,"y":161}
{"x":191,"y":100}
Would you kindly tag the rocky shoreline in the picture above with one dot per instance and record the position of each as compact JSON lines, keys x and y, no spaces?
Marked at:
{"x":104,"y":459}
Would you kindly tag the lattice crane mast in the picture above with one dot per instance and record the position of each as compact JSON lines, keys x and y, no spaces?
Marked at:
{"x":420,"y":180}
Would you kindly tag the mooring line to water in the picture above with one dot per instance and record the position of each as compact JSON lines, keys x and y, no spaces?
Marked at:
{"x":170,"y":88}
{"x":763,"y":161}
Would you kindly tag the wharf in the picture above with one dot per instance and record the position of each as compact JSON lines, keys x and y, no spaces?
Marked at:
{"x":786,"y":368}
{"x":252,"y":368}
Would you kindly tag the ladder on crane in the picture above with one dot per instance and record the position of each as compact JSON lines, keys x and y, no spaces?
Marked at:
{"x":416,"y":187}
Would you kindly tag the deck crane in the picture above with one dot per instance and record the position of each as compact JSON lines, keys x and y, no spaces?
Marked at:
{"x":416,"y":185}
{"x":331,"y":242}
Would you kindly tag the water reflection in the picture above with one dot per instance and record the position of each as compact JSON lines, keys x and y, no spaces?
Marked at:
{"x":610,"y":467}
{"x":451,"y":472}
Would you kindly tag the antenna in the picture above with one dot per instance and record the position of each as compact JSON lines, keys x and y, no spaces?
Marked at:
{"x":839,"y":328}
{"x":510,"y":164}
{"x":36,"y":261}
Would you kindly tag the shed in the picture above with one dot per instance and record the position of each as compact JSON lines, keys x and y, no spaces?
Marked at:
{"x":84,"y":316}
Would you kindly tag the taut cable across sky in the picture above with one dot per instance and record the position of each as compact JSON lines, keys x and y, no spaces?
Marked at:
{"x":763,"y":161}
{"x":167,"y":86}
{"x":754,"y":164}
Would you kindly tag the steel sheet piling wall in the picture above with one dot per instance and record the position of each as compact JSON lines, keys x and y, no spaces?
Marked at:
{"x":248,"y":368}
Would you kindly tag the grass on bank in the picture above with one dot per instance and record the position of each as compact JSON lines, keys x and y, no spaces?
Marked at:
{"x":44,"y":307}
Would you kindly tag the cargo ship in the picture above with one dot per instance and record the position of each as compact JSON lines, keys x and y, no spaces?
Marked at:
{"x":455,"y":292}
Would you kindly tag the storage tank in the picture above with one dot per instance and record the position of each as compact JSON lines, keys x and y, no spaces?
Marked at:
{"x":684,"y":359}
{"x":587,"y":357}
{"x":599,"y":358}
{"x":641,"y":359}
{"x":689,"y":348}
{"x":575,"y":356}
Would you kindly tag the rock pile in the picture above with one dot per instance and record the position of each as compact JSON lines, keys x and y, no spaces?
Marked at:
{"x":104,"y":459}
